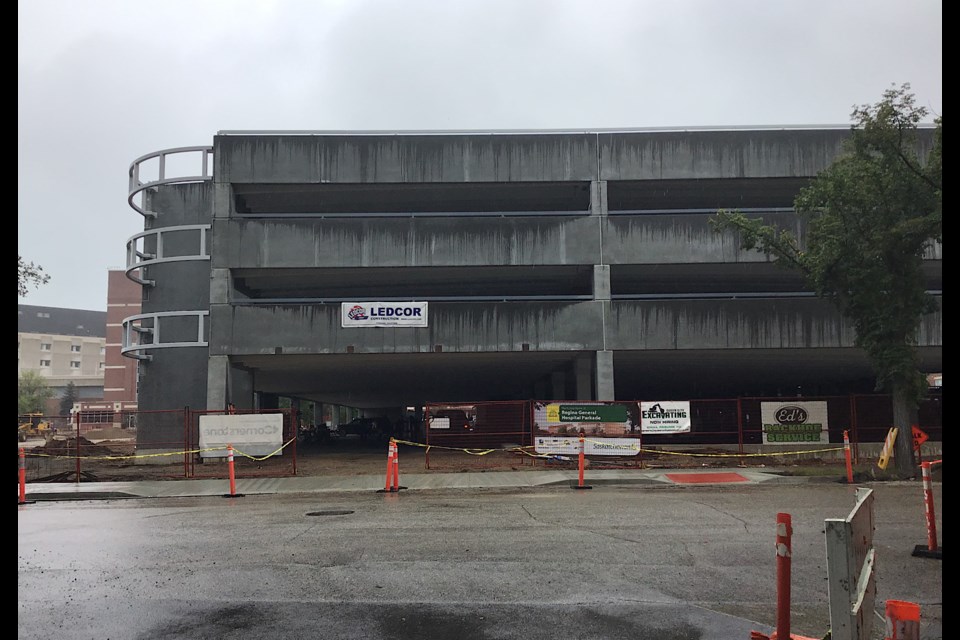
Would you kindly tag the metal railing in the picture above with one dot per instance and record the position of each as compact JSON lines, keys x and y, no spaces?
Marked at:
{"x":133,"y":327}
{"x":138,"y":257}
{"x":137,"y":187}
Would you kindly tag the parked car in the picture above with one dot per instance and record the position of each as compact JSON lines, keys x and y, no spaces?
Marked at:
{"x":366,"y":429}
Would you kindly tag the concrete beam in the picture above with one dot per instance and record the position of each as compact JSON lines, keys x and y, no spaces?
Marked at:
{"x":405,"y":158}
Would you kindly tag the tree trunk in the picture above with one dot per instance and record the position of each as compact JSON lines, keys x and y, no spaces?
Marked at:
{"x":906,"y":414}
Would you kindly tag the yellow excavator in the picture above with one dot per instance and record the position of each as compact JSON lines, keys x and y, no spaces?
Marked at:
{"x":32,"y":425}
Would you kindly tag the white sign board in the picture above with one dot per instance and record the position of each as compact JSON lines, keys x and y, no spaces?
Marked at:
{"x":255,"y":434}
{"x":794,"y":422}
{"x":665,"y":417}
{"x":383,"y":314}
{"x":439,"y":423}
{"x":592,"y":446}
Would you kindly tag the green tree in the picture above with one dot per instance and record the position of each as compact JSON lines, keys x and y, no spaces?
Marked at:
{"x":32,"y":392}
{"x":29,"y":274}
{"x":68,"y":398}
{"x":871,"y":216}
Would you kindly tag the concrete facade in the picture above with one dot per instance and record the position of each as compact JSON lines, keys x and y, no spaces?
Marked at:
{"x":581,"y":264}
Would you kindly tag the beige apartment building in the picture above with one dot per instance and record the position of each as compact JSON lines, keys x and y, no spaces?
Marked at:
{"x":63,"y":346}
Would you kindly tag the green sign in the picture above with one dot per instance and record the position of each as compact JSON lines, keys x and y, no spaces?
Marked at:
{"x":593,"y":413}
{"x":786,"y":433}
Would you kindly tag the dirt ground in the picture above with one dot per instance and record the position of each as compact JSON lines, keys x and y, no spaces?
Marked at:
{"x":105,"y":460}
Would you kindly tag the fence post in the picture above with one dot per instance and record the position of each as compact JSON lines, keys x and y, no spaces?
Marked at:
{"x":846,"y":455}
{"x":77,"y":418}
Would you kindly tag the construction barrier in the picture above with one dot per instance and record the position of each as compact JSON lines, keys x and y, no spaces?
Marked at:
{"x":784,"y":549}
{"x":932,"y":549}
{"x":887,"y":452}
{"x":903,"y":620}
{"x":581,"y":462}
{"x":232,"y":474}
{"x":392,"y":482}
{"x":22,"y":477}
{"x":851,"y":570}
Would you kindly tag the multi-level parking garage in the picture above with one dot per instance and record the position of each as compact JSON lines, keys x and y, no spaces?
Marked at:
{"x":553,"y":265}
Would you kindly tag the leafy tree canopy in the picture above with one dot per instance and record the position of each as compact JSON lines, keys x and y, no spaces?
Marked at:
{"x":872,"y":216}
{"x":32,"y":392}
{"x":29,"y":274}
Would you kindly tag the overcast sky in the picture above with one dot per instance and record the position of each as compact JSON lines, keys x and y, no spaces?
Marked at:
{"x":101,"y":82}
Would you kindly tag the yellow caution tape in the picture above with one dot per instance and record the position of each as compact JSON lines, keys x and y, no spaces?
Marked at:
{"x":638,"y":448}
{"x":246,"y":455}
{"x":155,"y":455}
{"x":472,"y":452}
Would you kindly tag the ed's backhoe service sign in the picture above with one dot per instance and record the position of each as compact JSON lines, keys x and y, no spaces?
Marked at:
{"x":383,"y":314}
{"x":794,"y":422}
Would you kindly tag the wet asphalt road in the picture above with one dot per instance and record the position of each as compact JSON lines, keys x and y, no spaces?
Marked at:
{"x":671,"y":563}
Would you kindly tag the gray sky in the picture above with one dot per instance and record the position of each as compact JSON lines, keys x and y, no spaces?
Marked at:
{"x":101,"y":82}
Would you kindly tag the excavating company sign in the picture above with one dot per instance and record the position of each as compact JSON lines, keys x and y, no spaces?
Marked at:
{"x":256,"y":434}
{"x":665,"y":417}
{"x":383,"y":314}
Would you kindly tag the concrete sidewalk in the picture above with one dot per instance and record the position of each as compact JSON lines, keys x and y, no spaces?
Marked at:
{"x":410,"y":481}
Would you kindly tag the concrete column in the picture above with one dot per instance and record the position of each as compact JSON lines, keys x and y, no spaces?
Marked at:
{"x":583,"y":373}
{"x":219,"y":286}
{"x":598,"y":198}
{"x":217,"y":367}
{"x":601,"y":282}
{"x":240,"y":385}
{"x":558,"y":385}
{"x":605,"y":375}
{"x":227,"y":384}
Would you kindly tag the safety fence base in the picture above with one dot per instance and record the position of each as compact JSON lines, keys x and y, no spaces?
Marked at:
{"x":923,"y":551}
{"x":392,"y":490}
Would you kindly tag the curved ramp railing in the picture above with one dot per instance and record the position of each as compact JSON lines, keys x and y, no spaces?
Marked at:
{"x":142,"y":333}
{"x":138,"y":166}
{"x":138,"y":257}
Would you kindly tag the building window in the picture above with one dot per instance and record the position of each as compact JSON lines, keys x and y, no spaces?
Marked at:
{"x":101,"y":365}
{"x":74,"y":364}
{"x":45,"y":346}
{"x":41,"y":314}
{"x":75,"y":348}
{"x":44,"y":363}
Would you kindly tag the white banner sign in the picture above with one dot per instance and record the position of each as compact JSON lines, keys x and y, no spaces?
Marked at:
{"x":255,"y":434}
{"x":383,"y":314}
{"x":665,"y":417}
{"x":794,"y":422}
{"x":592,"y":446}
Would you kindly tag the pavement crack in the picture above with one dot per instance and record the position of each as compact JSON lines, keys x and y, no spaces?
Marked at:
{"x":302,"y":532}
{"x":729,"y":515}
{"x":527,"y":511}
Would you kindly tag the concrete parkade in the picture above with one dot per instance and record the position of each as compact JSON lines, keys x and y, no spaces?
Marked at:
{"x":556,"y":265}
